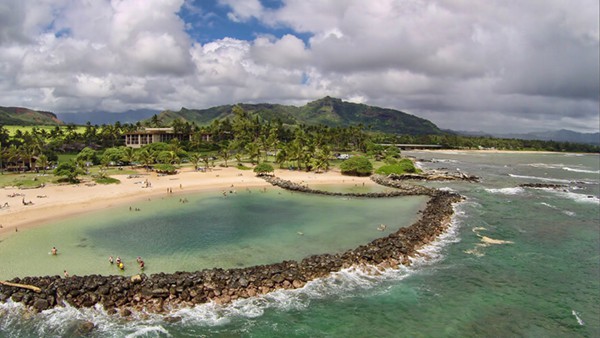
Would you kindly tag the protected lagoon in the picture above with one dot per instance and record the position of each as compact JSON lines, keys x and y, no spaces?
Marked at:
{"x":197,"y":231}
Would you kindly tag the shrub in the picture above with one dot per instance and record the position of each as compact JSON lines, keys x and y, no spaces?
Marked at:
{"x":357,"y":166}
{"x":402,"y":167}
{"x":165,"y":169}
{"x":106,"y":180}
{"x":263,"y":169}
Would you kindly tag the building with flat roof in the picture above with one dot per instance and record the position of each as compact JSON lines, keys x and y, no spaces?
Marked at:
{"x":141,"y":138}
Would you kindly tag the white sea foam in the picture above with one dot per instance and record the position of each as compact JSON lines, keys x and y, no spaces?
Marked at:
{"x":447,"y":189}
{"x":339,"y":284}
{"x":579,"y":198}
{"x":576,"y":314}
{"x":545,"y":179}
{"x":548,"y":205}
{"x":582,"y":170}
{"x":566,"y":212}
{"x":441,"y":160}
{"x":546,"y":165}
{"x":506,"y":191}
{"x":145,"y":331}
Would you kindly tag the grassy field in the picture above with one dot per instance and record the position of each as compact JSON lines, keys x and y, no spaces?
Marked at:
{"x":13,"y":129}
{"x":35,"y":180}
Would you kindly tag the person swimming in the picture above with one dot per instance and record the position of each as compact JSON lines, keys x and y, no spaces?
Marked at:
{"x":110,"y":260}
{"x":54,"y":251}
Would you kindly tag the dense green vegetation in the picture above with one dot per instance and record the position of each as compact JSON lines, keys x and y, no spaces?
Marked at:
{"x":327,"y":111}
{"x":264,"y":169}
{"x":357,"y":166}
{"x":398,"y":167}
{"x":243,"y":139}
{"x":26,"y":117}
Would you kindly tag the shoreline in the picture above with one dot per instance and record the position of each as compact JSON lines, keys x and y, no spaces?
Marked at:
{"x":491,"y":151}
{"x":162,"y":292}
{"x":55,"y":202}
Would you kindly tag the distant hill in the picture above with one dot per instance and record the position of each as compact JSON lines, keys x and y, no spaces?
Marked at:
{"x":27,"y":117}
{"x":328,"y":111}
{"x":562,"y":135}
{"x":100,"y":118}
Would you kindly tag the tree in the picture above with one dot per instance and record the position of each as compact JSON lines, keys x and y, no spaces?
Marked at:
{"x":357,"y":166}
{"x":128,"y":155}
{"x":253,"y":151}
{"x":321,"y":159}
{"x":113,"y":155}
{"x":42,"y":162}
{"x":88,"y":155}
{"x":225,"y":152}
{"x":146,"y":158}
{"x":196,"y":158}
{"x":69,"y":170}
{"x":264,"y":169}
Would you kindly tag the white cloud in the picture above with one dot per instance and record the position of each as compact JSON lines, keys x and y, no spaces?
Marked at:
{"x":243,"y":10}
{"x":472,"y":65}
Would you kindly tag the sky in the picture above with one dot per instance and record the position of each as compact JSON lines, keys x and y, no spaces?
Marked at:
{"x":494,"y":66}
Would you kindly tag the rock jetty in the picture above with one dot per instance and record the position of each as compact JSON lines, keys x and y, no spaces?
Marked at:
{"x":435,"y":176}
{"x":401,"y":189}
{"x":162,"y":292}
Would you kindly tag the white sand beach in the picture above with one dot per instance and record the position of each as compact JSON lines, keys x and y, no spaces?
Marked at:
{"x":54,"y":202}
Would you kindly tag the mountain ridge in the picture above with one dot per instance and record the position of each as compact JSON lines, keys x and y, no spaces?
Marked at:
{"x":329,"y":111}
{"x":27,"y":117}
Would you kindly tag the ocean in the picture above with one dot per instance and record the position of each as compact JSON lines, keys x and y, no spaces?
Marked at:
{"x":516,"y":261}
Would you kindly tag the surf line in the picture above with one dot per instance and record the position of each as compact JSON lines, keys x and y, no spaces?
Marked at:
{"x":163,"y":292}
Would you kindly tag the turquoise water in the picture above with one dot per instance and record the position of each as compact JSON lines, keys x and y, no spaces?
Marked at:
{"x":517,"y":262}
{"x":208,"y":230}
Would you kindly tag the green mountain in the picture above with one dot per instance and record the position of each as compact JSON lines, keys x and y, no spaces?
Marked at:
{"x":328,"y":111}
{"x":27,"y":117}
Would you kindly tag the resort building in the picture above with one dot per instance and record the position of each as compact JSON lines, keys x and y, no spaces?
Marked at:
{"x":141,"y":138}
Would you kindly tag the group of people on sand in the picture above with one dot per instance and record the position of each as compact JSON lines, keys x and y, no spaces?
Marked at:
{"x":121,"y":265}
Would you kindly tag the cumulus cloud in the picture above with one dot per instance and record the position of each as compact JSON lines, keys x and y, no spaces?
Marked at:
{"x":465,"y":65}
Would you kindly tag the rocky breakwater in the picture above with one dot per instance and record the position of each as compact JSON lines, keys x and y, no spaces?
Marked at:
{"x":435,"y":175}
{"x":162,"y":292}
{"x":392,"y":182}
{"x":400,"y":189}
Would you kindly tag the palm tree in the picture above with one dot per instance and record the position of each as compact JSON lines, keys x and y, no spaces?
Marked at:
{"x":196,"y":158}
{"x":43,"y":162}
{"x":253,"y":151}
{"x":321,"y":159}
{"x":146,"y":158}
{"x":281,"y":157}
{"x":206,"y":159}
{"x":1,"y":158}
{"x":128,"y":155}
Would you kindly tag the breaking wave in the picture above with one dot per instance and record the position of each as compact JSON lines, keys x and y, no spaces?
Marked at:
{"x":17,"y":321}
{"x":506,"y":191}
{"x":582,"y":170}
{"x":579,"y":198}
